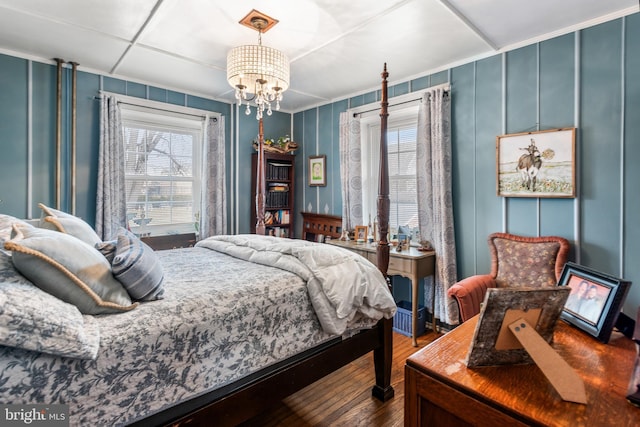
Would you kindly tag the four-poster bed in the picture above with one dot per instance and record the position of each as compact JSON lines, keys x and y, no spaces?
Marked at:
{"x":133,"y":364}
{"x":243,"y":401}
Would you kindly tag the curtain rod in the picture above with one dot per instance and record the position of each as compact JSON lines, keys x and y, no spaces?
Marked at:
{"x":390,"y":105}
{"x":445,"y":86}
{"x":140,"y":104}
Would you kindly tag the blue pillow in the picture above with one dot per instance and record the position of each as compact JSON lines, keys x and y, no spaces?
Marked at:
{"x":108,"y":249}
{"x":137,"y":267}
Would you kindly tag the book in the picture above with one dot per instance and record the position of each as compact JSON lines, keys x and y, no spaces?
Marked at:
{"x":277,"y":186}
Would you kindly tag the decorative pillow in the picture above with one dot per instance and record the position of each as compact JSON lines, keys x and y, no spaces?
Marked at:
{"x":6,"y":223}
{"x":53,"y":219}
{"x":523,"y":264}
{"x":34,"y":320}
{"x":67,"y":268}
{"x":108,"y":249}
{"x":137,"y":267}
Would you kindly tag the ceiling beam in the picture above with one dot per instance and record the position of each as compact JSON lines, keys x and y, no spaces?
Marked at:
{"x":469,"y":24}
{"x":134,"y":41}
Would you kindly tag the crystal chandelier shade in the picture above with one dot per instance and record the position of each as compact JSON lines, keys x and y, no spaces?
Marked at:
{"x":258,"y":70}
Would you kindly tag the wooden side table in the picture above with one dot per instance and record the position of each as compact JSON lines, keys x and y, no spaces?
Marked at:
{"x":412,"y":264}
{"x":441,"y":391}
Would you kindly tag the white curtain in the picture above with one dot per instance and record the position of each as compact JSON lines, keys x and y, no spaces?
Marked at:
{"x":350,"y":170}
{"x":111,"y":204}
{"x":435,"y":210}
{"x":213,"y":217}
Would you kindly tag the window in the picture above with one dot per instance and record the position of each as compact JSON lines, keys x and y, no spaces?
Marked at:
{"x":403,"y":194}
{"x":401,"y":151}
{"x":162,"y":171}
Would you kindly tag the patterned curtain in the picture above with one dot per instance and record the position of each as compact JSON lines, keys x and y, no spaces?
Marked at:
{"x":111,"y":204}
{"x":351,"y":170}
{"x":435,"y":211}
{"x":213,"y":218}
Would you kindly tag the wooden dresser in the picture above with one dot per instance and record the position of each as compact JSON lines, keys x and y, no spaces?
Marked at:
{"x":441,"y":391}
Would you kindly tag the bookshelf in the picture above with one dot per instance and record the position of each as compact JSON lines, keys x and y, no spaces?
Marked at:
{"x":279,"y":170}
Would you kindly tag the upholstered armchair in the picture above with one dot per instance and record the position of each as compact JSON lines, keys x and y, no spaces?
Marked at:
{"x":516,"y":261}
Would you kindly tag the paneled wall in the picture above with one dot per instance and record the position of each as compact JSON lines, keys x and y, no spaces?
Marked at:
{"x":28,"y":135}
{"x":587,"y":79}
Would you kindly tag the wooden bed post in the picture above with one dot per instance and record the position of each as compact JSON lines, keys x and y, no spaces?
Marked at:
{"x":383,"y":355}
{"x":260,"y":182}
{"x":383,"y":184}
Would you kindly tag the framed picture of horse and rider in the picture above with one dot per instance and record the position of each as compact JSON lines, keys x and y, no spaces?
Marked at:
{"x":537,"y":164}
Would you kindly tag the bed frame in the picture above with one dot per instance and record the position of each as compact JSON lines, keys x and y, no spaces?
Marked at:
{"x":244,"y":399}
{"x":315,"y":225}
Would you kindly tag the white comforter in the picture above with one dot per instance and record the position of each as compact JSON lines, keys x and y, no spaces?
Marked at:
{"x":342,"y":285}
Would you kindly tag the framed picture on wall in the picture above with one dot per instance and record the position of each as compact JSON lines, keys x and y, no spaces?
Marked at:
{"x":595,"y":300}
{"x":318,"y":171}
{"x":536,"y":164}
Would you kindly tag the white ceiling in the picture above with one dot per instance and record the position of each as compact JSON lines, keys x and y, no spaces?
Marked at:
{"x":336,"y":47}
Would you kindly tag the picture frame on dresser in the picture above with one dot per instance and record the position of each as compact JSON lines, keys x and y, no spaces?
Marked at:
{"x":361,"y":232}
{"x":493,"y":344}
{"x":595,"y":301}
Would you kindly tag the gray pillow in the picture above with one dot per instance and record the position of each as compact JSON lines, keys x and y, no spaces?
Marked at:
{"x":69,"y":269}
{"x":31,"y":319}
{"x":53,"y":219}
{"x":137,"y":267}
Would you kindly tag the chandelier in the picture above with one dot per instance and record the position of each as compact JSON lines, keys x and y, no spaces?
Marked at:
{"x":258,"y":73}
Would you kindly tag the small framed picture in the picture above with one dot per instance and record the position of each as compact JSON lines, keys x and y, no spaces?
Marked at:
{"x":595,"y":300}
{"x":318,"y":171}
{"x":361,"y":233}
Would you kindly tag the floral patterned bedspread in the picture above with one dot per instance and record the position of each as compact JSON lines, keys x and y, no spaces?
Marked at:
{"x":221,"y":319}
{"x":344,"y":287}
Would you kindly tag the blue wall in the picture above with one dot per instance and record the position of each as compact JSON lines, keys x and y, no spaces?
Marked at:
{"x":28,"y":111}
{"x":587,"y":79}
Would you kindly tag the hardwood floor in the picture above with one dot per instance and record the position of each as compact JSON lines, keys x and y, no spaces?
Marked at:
{"x":343,"y":398}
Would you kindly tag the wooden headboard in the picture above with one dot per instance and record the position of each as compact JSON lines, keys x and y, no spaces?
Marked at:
{"x":314,"y":224}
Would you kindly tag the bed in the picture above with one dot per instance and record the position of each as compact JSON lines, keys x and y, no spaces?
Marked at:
{"x":193,"y":350}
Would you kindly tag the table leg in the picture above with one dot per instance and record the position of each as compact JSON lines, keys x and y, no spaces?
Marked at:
{"x":414,"y":310}
{"x":434,"y":321}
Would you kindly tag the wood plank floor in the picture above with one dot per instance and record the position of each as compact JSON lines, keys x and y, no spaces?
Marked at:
{"x":343,"y":398}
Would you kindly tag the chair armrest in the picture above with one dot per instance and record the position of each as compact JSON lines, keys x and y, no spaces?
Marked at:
{"x":469,"y":294}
